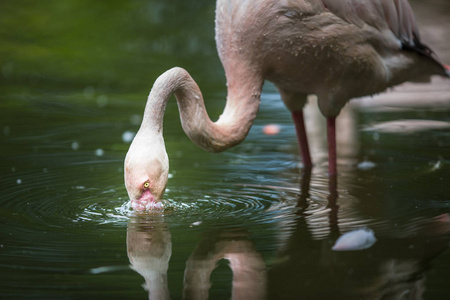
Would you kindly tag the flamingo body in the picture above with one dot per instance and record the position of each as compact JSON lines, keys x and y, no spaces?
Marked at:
{"x":337,"y":50}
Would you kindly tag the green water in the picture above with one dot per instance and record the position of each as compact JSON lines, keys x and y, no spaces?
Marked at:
{"x":73,"y":83}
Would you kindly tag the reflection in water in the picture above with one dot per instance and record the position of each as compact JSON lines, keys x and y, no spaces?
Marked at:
{"x":247,"y":265}
{"x":149,"y":249}
{"x":393,"y":268}
{"x":306,"y":266}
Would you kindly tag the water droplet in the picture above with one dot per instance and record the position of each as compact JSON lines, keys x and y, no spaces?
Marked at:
{"x":127,"y":136}
{"x":89,"y":92}
{"x":75,"y":146}
{"x":99,"y":152}
{"x":102,"y":101}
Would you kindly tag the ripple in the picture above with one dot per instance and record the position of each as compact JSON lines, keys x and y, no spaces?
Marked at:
{"x":55,"y":198}
{"x":252,"y":204}
{"x":104,"y":215}
{"x":221,"y":207}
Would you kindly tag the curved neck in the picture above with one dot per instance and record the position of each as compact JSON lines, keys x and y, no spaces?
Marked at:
{"x":231,"y":128}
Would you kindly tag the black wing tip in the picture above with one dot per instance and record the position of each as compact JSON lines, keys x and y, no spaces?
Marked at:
{"x":422,"y":49}
{"x":417,"y":46}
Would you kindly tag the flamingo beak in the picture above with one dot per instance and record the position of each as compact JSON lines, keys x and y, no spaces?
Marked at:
{"x":146,"y":202}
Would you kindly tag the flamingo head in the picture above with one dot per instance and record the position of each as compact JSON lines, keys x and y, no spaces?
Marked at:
{"x":146,"y":173}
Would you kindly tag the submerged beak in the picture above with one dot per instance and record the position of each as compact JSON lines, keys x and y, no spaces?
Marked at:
{"x":146,"y":202}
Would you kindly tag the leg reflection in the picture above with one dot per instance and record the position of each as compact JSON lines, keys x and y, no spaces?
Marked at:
{"x":247,"y":265}
{"x":395,"y":267}
{"x":332,"y":205}
{"x":305,"y":182}
{"x":303,"y":204}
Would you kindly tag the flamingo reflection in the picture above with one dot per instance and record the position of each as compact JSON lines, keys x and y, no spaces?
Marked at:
{"x":306,"y":267}
{"x":247,"y":265}
{"x":149,"y":248}
{"x":393,"y":268}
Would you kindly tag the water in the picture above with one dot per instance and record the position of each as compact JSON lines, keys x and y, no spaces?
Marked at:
{"x":73,"y":87}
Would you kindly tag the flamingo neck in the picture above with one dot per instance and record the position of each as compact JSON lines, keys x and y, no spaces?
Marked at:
{"x":231,"y":128}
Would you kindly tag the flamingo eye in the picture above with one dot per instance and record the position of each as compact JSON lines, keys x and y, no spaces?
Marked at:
{"x":146,"y":185}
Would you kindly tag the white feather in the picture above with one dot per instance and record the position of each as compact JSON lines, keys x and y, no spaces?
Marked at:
{"x":355,"y":240}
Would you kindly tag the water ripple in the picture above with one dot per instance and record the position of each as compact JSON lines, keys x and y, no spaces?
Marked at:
{"x":221,"y":206}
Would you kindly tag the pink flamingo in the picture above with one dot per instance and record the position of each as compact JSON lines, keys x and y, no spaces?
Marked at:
{"x":337,"y":50}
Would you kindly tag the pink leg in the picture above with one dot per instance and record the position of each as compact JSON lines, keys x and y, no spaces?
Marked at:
{"x":331,"y":135}
{"x":302,"y":138}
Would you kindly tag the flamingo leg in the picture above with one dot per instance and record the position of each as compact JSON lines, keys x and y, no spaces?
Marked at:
{"x":300,"y":128}
{"x":331,"y":135}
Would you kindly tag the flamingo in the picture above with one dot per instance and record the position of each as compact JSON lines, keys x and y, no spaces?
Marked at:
{"x":337,"y":50}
